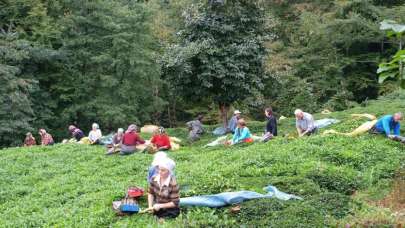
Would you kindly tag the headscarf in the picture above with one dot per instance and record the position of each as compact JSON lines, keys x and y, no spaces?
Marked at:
{"x":72,"y":128}
{"x":132,"y":128}
{"x":42,"y":131}
{"x":161,"y":130}
{"x":95,"y":125}
{"x":157,"y":157}
{"x":167,"y":163}
{"x":120,"y":131}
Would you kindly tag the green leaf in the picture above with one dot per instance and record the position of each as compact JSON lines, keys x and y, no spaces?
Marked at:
{"x":386,"y":68}
{"x":382,"y":77}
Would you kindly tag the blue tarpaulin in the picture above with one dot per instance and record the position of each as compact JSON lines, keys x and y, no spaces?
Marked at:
{"x":228,"y":198}
{"x":325,"y":122}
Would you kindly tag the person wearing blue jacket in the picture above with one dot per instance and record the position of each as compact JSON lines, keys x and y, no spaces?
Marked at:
{"x":388,"y":124}
{"x":242,"y":133}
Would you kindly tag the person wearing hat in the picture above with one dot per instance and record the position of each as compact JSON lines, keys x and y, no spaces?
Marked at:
{"x":164,"y":194}
{"x":305,"y":123}
{"x":160,"y":141}
{"x":233,"y":122}
{"x":29,"y":140}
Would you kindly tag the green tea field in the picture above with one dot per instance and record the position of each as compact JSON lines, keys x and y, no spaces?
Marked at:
{"x":342,"y":180}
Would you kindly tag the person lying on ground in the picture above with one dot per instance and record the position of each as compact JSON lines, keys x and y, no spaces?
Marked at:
{"x":115,"y":146}
{"x":305,"y":123}
{"x":46,"y":138}
{"x":160,"y":141}
{"x":29,"y":140}
{"x":154,"y":168}
{"x":163,"y":194}
{"x":130,"y":140}
{"x":271,"y":125}
{"x":242,"y":133}
{"x":76,"y":132}
{"x":195,"y":129}
{"x":233,"y":122}
{"x":389,"y":125}
{"x":95,"y":134}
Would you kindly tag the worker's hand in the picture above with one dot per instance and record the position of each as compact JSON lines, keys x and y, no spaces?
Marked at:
{"x":157,"y":207}
{"x":391,"y":136}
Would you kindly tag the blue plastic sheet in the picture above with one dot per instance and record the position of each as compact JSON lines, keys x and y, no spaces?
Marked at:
{"x":228,"y":198}
{"x":219,"y":131}
{"x":325,"y":122}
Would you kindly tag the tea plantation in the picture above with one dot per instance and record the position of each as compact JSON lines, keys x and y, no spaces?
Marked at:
{"x":339,"y":178}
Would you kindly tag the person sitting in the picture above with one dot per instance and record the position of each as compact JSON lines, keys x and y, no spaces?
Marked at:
{"x":242,"y":133}
{"x":305,"y":123}
{"x":130,"y":140}
{"x":76,"y":132}
{"x":115,"y":146}
{"x":389,"y":125}
{"x":160,"y":141}
{"x":46,"y":138}
{"x":233,"y":122}
{"x":95,"y":134}
{"x":29,"y":140}
{"x":271,"y":125}
{"x":195,"y":129}
{"x":164,"y":194}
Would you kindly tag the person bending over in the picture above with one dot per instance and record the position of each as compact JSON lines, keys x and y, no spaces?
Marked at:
{"x":305,"y":123}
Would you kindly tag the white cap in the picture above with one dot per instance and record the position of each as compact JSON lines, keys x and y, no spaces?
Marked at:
{"x":236,"y":112}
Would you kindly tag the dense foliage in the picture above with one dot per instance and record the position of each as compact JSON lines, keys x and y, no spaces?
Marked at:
{"x":158,"y":61}
{"x":338,"y":177}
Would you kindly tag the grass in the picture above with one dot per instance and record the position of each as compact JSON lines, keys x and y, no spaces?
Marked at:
{"x":74,"y":185}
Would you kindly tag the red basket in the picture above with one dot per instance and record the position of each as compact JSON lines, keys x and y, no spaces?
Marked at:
{"x":135,"y":192}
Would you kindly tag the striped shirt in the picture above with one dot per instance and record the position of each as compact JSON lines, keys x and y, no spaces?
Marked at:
{"x":46,"y":139}
{"x":165,"y":192}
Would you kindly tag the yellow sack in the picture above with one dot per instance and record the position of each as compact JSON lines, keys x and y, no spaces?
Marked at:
{"x":365,"y":127}
{"x":326,"y":112}
{"x":175,"y":140}
{"x":365,"y":115}
{"x":149,"y":129}
{"x":175,"y":146}
{"x":141,"y":147}
{"x":282,"y":118}
{"x":85,"y":140}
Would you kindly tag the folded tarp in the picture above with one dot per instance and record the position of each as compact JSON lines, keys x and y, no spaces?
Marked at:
{"x":325,"y":122}
{"x":228,"y":198}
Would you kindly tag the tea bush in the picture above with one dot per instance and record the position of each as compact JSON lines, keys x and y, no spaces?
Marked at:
{"x":74,"y":185}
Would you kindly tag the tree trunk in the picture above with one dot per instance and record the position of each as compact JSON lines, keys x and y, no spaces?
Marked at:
{"x":224,"y":108}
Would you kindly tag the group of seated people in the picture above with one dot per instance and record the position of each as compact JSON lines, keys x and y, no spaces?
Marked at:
{"x":46,"y":139}
{"x":126,"y":142}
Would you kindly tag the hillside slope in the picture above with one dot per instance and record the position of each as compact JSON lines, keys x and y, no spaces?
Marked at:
{"x":338,"y":177}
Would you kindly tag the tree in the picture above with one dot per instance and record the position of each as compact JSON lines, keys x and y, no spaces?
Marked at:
{"x":110,"y":75}
{"x":395,"y":68}
{"x":219,"y":54}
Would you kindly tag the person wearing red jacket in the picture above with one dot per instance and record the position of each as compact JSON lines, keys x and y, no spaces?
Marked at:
{"x":130,"y":140}
{"x":160,"y":140}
